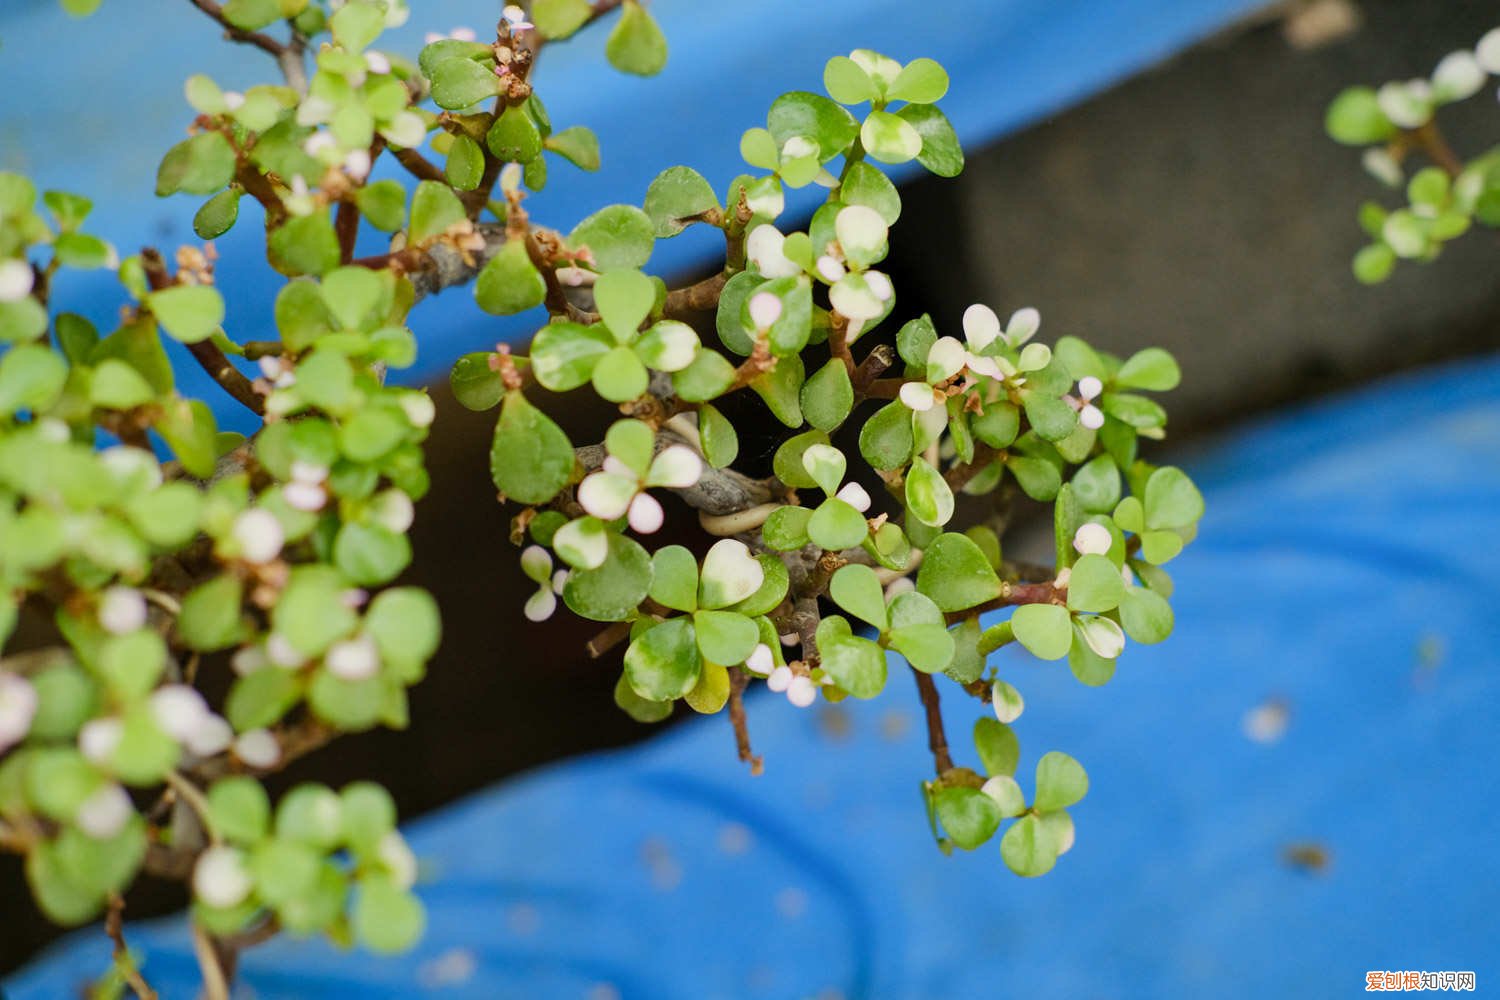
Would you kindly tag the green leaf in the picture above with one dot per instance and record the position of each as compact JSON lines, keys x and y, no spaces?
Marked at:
{"x":23,"y":319}
{"x":1060,"y":782}
{"x":530,"y":458}
{"x":1029,"y":847}
{"x":240,"y":809}
{"x":189,"y":430}
{"x":514,"y":138}
{"x":210,"y":618}
{"x":1049,"y":416}
{"x":721,"y":445}
{"x":370,"y":554}
{"x":786,"y":529}
{"x":304,"y":245}
{"x":815,"y":117}
{"x":708,"y":377}
{"x":31,"y":378}
{"x":674,"y":578}
{"x":1046,"y":630}
{"x":312,"y":614}
{"x":663,"y":662}
{"x":1171,"y":500}
{"x":835,"y":526}
{"x":856,"y":664}
{"x":890,"y":138}
{"x":867,"y":185}
{"x":1039,"y":478}
{"x":638,"y":708}
{"x":928,"y":495}
{"x":828,"y":396}
{"x":847,"y":83}
{"x":969,"y":816}
{"x":387,"y":919}
{"x":772,"y":589}
{"x":1355,"y":119}
{"x":921,"y":81}
{"x":405,"y":624}
{"x":624,"y":299}
{"x":613,"y":590}
{"x":189,"y":313}
{"x":619,"y":236}
{"x":712,"y":690}
{"x":203,"y":164}
{"x":578,"y":145}
{"x":464,"y":168}
{"x":636,"y":45}
{"x":941,"y":153}
{"x":620,"y":377}
{"x":258,"y":700}
{"x":434,"y":208}
{"x":999,"y":750}
{"x":1146,"y":615}
{"x":1097,"y":485}
{"x":564,"y":355}
{"x":383,"y":204}
{"x":886,"y":439}
{"x":781,"y":388}
{"x":1088,"y":666}
{"x":1095,"y":584}
{"x":730,"y":574}
{"x":459,"y":82}
{"x":725,"y":637}
{"x":857,"y":590}
{"x":560,"y":18}
{"x":956,"y":574}
{"x":678,"y":194}
{"x":928,"y":647}
{"x":510,"y":283}
{"x":1152,"y":369}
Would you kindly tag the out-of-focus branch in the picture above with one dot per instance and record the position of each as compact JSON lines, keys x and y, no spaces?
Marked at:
{"x":937,"y":739}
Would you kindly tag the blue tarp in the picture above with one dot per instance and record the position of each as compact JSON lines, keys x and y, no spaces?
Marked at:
{"x":1345,"y":565}
{"x":95,"y":103}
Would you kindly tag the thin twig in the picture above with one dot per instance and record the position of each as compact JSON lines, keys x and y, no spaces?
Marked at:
{"x":114,"y":926}
{"x":937,"y":739}
{"x":738,"y":681}
{"x":215,"y":982}
{"x":263,"y":42}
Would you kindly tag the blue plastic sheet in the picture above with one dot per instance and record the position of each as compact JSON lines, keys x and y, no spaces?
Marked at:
{"x":98,"y":120}
{"x":1343,"y":544}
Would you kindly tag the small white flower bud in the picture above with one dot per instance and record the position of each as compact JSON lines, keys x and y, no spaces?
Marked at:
{"x":1488,"y":51}
{"x":880,"y":285}
{"x":16,"y":279}
{"x":271,"y":367}
{"x":309,"y":472}
{"x":179,"y":710}
{"x":357,"y":164}
{"x":1092,"y":539}
{"x":259,"y":535}
{"x":248,"y":659}
{"x":765,"y":310}
{"x":17,"y":709}
{"x":211,"y":736}
{"x":801,"y":691}
{"x":98,"y":738}
{"x":918,"y":396}
{"x":1063,"y":576}
{"x":221,"y":878}
{"x":646,"y":515}
{"x":309,"y":497}
{"x":510,"y":178}
{"x":1091,"y":417}
{"x":233,"y":100}
{"x":318,"y":143}
{"x":104,"y":813}
{"x":376,"y":62}
{"x":397,"y":856}
{"x":354,"y":659}
{"x":1089,"y":387}
{"x":855,"y":496}
{"x":282,"y":653}
{"x":830,"y":268}
{"x":419,"y":408}
{"x":780,"y":679}
{"x":540,"y":605}
{"x":463,"y":34}
{"x":760,"y":660}
{"x":394,"y":511}
{"x":122,"y":610}
{"x":258,"y":748}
